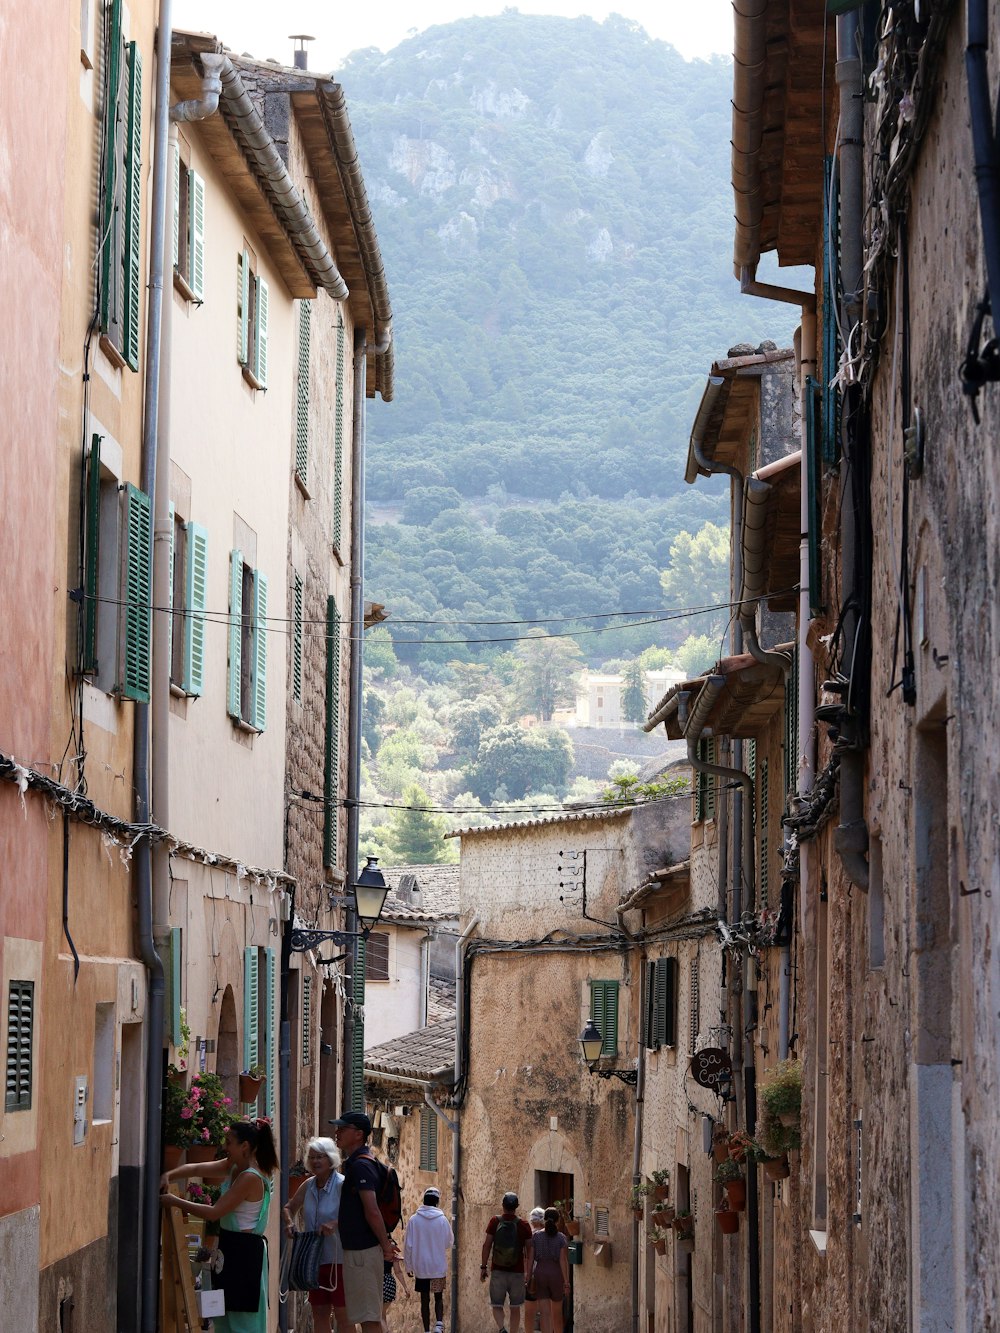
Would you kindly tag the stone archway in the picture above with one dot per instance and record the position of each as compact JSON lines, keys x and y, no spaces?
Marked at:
{"x":227,"y":1049}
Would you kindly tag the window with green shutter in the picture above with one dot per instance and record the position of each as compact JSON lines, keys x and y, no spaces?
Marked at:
{"x":428,"y":1139}
{"x":195,"y":606}
{"x":136,"y":594}
{"x":331,"y":772}
{"x":252,"y":299}
{"x":189,"y":229}
{"x":763,"y":818}
{"x":234,"y":691}
{"x":246,"y":692}
{"x":20,"y":1045}
{"x":704,"y":783}
{"x":710,"y":757}
{"x":258,"y":684}
{"x":660,"y":1004}
{"x":358,"y":1042}
{"x":251,"y":1011}
{"x":604,"y":1012}
{"x":307,"y":983}
{"x":270,"y":1029}
{"x":338,"y":442}
{"x":302,"y":398}
{"x":792,"y":724}
{"x":119,"y":273}
{"x":91,"y":555}
{"x":297,"y":638}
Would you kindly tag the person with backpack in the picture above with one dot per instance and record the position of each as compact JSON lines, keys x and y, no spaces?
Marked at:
{"x":370,"y":1190}
{"x":507,"y":1238}
{"x":429,"y":1237}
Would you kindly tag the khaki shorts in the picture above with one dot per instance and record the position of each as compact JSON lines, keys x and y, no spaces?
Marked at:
{"x":509,"y":1283}
{"x":363,"y":1285}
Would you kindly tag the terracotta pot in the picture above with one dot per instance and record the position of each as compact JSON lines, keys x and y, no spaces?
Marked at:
{"x":250,"y":1088}
{"x":720,"y":1151}
{"x":638,"y":1212}
{"x":686,"y":1243}
{"x":682,"y":1224}
{"x":663,"y":1217}
{"x":777,"y":1168}
{"x":660,"y":1246}
{"x":789,"y":1119}
{"x":729,"y":1222}
{"x":572,"y":1227}
{"x":172,"y":1156}
{"x":736,"y":1193}
{"x":202,"y":1152}
{"x":661,"y":1191}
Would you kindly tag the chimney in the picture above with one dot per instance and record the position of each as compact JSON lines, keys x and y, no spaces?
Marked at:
{"x":408,"y":890}
{"x":301,"y":57}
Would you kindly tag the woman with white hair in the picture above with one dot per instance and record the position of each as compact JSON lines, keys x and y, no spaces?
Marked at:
{"x":532,"y":1314}
{"x":318,"y":1197}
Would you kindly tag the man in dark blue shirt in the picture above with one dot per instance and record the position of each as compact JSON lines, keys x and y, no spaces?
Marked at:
{"x":362,"y":1230}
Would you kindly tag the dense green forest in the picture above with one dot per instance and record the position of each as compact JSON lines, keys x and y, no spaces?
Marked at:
{"x":553,"y":204}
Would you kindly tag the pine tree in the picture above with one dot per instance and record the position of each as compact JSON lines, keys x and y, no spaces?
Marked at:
{"x":634,"y":692}
{"x":415,"y":835}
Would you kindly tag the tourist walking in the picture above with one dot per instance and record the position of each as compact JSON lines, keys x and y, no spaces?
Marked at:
{"x":318,"y":1198}
{"x":549,"y":1271}
{"x":363,"y":1235}
{"x":506,"y":1257}
{"x":536,"y":1220}
{"x":428,"y":1239}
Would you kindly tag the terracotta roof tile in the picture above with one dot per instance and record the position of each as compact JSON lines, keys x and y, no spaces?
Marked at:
{"x":437,"y":899}
{"x":427,"y":1054}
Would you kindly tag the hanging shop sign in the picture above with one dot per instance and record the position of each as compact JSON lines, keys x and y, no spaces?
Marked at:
{"x":712,"y":1068}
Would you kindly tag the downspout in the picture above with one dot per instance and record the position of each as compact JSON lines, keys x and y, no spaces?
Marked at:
{"x":984,"y":143}
{"x":749,"y":286}
{"x":352,"y":978}
{"x":456,"y":1142}
{"x":425,"y":974}
{"x":156,"y":1000}
{"x":640,"y":1089}
{"x":850,"y":838}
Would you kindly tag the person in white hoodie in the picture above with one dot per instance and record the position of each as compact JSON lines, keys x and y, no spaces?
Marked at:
{"x":429,"y":1237}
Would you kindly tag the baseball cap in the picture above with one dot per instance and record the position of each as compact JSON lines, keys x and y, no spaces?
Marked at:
{"x":510,"y":1200}
{"x":432,"y":1193}
{"x":353,"y":1120}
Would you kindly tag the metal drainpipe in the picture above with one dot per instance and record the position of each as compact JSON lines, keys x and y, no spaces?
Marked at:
{"x":850,"y":838}
{"x":456,"y":1142}
{"x":640,"y":1090}
{"x":156,"y":1001}
{"x":425,"y":973}
{"x":984,"y":148}
{"x":358,"y":425}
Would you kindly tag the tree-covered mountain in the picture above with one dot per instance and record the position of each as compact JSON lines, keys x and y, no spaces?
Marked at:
{"x":553,"y":206}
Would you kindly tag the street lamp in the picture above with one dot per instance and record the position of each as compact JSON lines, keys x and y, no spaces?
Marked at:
{"x":591,"y":1042}
{"x":370,"y":893}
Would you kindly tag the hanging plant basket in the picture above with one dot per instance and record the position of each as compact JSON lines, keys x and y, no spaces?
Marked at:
{"x":638,"y":1213}
{"x":663,"y":1217}
{"x":729,"y":1221}
{"x":250,"y":1088}
{"x":736,"y":1194}
{"x":685,"y":1243}
{"x":572,"y":1227}
{"x":776,"y":1168}
{"x":173,"y":1155}
{"x":720,"y":1150}
{"x":789,"y":1119}
{"x":660,"y":1246}
{"x":661,"y":1191}
{"x":682,"y":1224}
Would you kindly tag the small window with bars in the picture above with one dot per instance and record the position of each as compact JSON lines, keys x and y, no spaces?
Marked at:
{"x":378,"y":956}
{"x":601,"y":1222}
{"x":428,"y":1139}
{"x":20,"y":1041}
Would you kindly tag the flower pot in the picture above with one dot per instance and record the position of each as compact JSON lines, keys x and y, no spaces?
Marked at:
{"x":660,"y":1246}
{"x":638,"y":1212}
{"x":572,"y":1227}
{"x":250,"y":1088}
{"x":737,"y":1152}
{"x":682,"y":1224}
{"x":686,"y":1243}
{"x":173,"y":1155}
{"x":729,"y":1222}
{"x":776,"y":1168}
{"x":661,"y":1191}
{"x":736,"y":1194}
{"x":789,"y":1119}
{"x":202,"y":1152}
{"x":663,"y":1217}
{"x":720,"y":1151}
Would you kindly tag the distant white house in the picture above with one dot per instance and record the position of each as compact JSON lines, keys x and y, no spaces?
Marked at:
{"x":599,"y":698}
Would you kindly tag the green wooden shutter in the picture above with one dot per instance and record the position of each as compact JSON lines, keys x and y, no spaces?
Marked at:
{"x":302,"y":396}
{"x":196,"y":601}
{"x":792,"y":724}
{"x":251,"y":1048}
{"x":112,"y":145}
{"x":358,"y":1044}
{"x":604,"y":1012}
{"x":648,"y":1005}
{"x":138,"y":580}
{"x":667,"y":1000}
{"x":331,"y":774}
{"x":428,"y":1139}
{"x":177,"y":204}
{"x":338,"y":443}
{"x":235,"y":633}
{"x":764,"y":797}
{"x":132,"y":238}
{"x":242,"y":307}
{"x":258,"y":688}
{"x":750,"y":758}
{"x":176,"y":1037}
{"x":297,"y":638}
{"x":709,"y":803}
{"x":92,"y":547}
{"x":307,"y":982}
{"x":271,"y":1027}
{"x":20,"y":1045}
{"x":260,"y":332}
{"x":171,"y":590}
{"x":699,"y":784}
{"x":196,"y":205}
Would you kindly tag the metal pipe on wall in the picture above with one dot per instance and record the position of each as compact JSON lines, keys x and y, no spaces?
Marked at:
{"x":456,"y":1142}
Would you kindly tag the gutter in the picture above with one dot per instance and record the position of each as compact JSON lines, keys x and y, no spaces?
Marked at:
{"x":640,"y":1096}
{"x":456,"y":1142}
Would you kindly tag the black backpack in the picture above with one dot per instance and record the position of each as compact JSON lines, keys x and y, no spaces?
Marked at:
{"x":507,"y":1243}
{"x":388,"y":1196}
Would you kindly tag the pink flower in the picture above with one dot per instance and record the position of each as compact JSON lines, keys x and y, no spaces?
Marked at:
{"x":196,"y":1094}
{"x":186,"y":1113}
{"x":204,"y":1136}
{"x":227,"y":1101}
{"x":217,"y":1103}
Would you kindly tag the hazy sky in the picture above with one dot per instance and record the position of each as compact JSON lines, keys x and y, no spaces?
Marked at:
{"x":695,"y":27}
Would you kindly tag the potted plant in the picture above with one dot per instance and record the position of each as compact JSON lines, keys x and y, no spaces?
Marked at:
{"x":176,"y":1125}
{"x":657,"y":1237}
{"x":720,"y":1143}
{"x":661,"y":1184}
{"x":774,"y":1138}
{"x":781,"y":1092}
{"x":740,"y":1145}
{"x":663,"y":1215}
{"x":251,"y":1081}
{"x":564,"y":1207}
{"x":728,"y":1220}
{"x":684,"y":1226}
{"x":638,"y":1200}
{"x":198,"y":1193}
{"x":728,"y":1175}
{"x":210,"y":1117}
{"x":776,"y":1168}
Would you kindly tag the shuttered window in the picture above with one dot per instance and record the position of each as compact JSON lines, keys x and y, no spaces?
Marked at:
{"x":302,"y":397}
{"x":694,"y":1006}
{"x":252,"y":297}
{"x":331,"y":774}
{"x":120,"y":257}
{"x":428,"y":1139}
{"x":358,"y":1042}
{"x":258,"y":683}
{"x":660,"y":1007}
{"x":189,"y":228}
{"x":175,"y":999}
{"x":378,"y":956}
{"x":338,"y":443}
{"x":246,"y":692}
{"x":137,"y":592}
{"x":704,"y":786}
{"x":20,"y":1043}
{"x":270,"y":1028}
{"x":297,"y":638}
{"x":251,"y":1009}
{"x":710,"y":753}
{"x":792,"y":724}
{"x":195,"y":606}
{"x":763,"y":818}
{"x":604,"y":1012}
{"x":307,"y":985}
{"x":91,"y":555}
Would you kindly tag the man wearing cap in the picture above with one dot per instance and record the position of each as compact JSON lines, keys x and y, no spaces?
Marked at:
{"x":507,"y":1238}
{"x":429,"y":1237}
{"x":362,"y":1231}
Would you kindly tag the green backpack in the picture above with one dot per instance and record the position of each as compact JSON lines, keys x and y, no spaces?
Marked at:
{"x":507,"y":1244}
